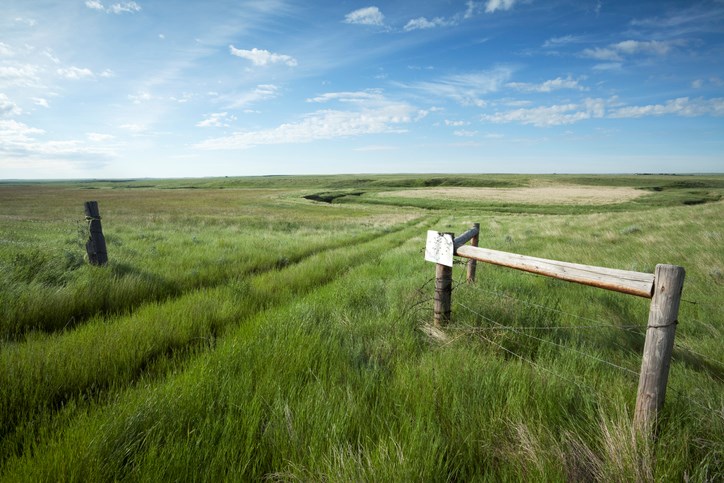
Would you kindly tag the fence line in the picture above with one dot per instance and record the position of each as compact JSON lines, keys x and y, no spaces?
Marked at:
{"x":501,"y":326}
{"x":580,"y":385}
{"x":628,"y":328}
{"x":663,"y":287}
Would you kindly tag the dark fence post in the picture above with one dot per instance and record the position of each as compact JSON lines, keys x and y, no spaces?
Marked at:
{"x":96,"y":244}
{"x":443,"y":293}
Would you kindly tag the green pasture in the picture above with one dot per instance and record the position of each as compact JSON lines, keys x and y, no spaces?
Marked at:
{"x":244,"y":332}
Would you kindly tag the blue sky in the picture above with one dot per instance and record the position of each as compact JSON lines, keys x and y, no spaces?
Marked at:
{"x":148,"y":88}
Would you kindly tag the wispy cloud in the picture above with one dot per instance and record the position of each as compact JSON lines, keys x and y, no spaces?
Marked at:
{"x":117,"y":8}
{"x":5,"y":50}
{"x":25,"y":75}
{"x":365,"y":16}
{"x":556,"y":42}
{"x":7,"y":107}
{"x":546,"y":116}
{"x":682,"y":106}
{"x":216,"y":119}
{"x":617,"y":52}
{"x":140,"y":97}
{"x":18,"y":140}
{"x":40,"y":101}
{"x":262,"y":57}
{"x":75,"y":73}
{"x":260,"y":93}
{"x":373,"y":117}
{"x":422,"y":23}
{"x":493,"y":5}
{"x":448,"y":122}
{"x":99,"y":137}
{"x":549,"y":85}
{"x":466,"y":89}
{"x":356,"y":96}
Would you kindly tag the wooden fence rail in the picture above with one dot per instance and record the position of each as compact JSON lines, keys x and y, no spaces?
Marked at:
{"x":664,"y":287}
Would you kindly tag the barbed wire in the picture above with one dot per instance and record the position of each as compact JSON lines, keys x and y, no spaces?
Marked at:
{"x":629,"y":328}
{"x":580,"y":385}
{"x":549,"y":341}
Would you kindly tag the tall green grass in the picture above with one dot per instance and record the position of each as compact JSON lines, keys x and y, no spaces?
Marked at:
{"x":325,"y":367}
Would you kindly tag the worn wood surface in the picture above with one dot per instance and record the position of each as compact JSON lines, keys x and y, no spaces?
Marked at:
{"x":96,"y":244}
{"x":663,"y":315}
{"x":467,"y":236}
{"x":443,"y":295}
{"x":472,"y":263}
{"x":634,"y":283}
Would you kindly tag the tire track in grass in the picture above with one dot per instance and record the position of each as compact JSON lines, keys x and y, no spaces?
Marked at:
{"x":103,"y":287}
{"x":41,"y":376}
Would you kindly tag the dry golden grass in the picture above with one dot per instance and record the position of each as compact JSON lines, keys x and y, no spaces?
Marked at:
{"x":549,"y":195}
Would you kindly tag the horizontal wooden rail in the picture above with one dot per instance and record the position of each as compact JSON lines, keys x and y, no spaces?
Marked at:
{"x":624,"y":281}
{"x":466,"y":237}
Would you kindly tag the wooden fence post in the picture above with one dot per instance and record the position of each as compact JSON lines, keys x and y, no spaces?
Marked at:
{"x":96,"y":244}
{"x":443,"y":293}
{"x":471,"y":261}
{"x":660,"y":331}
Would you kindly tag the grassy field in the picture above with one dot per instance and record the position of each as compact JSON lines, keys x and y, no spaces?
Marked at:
{"x":278,"y":328}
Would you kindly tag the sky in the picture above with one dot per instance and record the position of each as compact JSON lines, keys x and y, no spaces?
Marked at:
{"x":151,"y":88}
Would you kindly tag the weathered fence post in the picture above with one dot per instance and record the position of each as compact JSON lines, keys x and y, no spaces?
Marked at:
{"x":668,"y":284}
{"x":443,"y":293}
{"x":471,"y":261}
{"x":96,"y":244}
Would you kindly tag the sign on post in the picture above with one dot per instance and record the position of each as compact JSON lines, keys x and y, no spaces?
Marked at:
{"x":439,"y":248}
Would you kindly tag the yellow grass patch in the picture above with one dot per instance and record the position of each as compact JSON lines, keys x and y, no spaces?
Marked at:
{"x":550,"y":195}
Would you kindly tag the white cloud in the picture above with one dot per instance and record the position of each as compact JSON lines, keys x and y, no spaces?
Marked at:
{"x":133,"y":127}
{"x":162,"y":36}
{"x":546,"y":116}
{"x":465,"y":133}
{"x":107,"y":73}
{"x":263,"y":57}
{"x":39,"y":101}
{"x":8,"y":107}
{"x":357,"y":96}
{"x":94,"y":4}
{"x":455,"y":123}
{"x":683,"y":106}
{"x":375,"y":147}
{"x":143,"y":96}
{"x":381,"y":116}
{"x":262,"y":92}
{"x":494,"y":5}
{"x":616,"y":52}
{"x":608,"y":66}
{"x":467,"y":89}
{"x":20,"y":75}
{"x":697,"y":84}
{"x":117,"y":8}
{"x":18,"y":140}
{"x":365,"y":16}
{"x":548,"y":86}
{"x":5,"y":50}
{"x":216,"y":119}
{"x":422,"y":23}
{"x":598,"y":53}
{"x":76,"y":73}
{"x":560,"y":41}
{"x":49,"y":54}
{"x":471,"y":9}
{"x":30,"y":22}
{"x":99,"y":137}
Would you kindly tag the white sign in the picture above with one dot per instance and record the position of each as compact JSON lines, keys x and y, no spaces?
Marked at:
{"x":439,"y":248}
